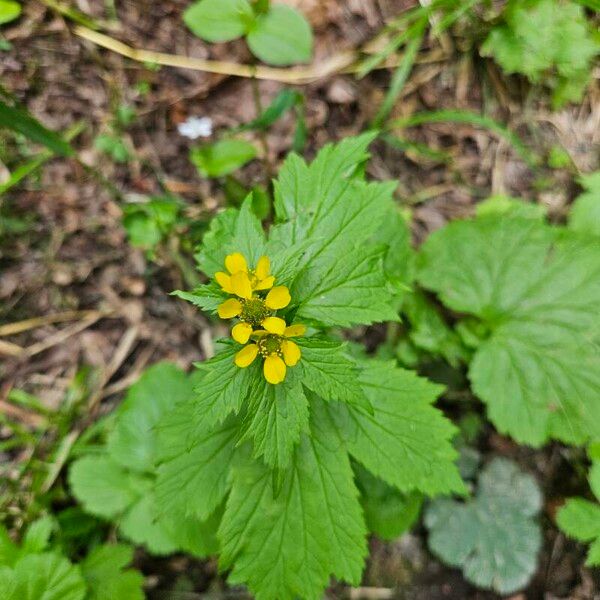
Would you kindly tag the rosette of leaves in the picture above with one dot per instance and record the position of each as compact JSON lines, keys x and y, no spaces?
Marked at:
{"x":279,"y":456}
{"x":276,"y":33}
{"x":36,"y":571}
{"x":527,"y":300}
{"x":548,"y":41}
{"x":116,"y":482}
{"x":494,"y":538}
{"x":580,"y":519}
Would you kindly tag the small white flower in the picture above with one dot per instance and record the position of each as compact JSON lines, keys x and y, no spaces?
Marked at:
{"x":196,"y":127}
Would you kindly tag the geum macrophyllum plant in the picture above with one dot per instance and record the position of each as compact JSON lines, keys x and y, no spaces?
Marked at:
{"x":269,"y":442}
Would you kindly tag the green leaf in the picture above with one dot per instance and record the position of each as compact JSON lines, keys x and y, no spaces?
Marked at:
{"x":192,"y":477}
{"x":107,"y":490}
{"x":352,"y":291}
{"x":143,"y":524}
{"x":223,"y":157}
{"x":580,"y":519}
{"x":107,"y":578}
{"x":42,"y":577}
{"x":329,"y":372}
{"x":9,"y":11}
{"x":544,"y":35}
{"x":37,"y":536}
{"x":388,"y":512}
{"x":500,"y":205}
{"x":282,"y":36}
{"x":536,"y":294}
{"x":429,"y":331}
{"x":9,"y":551}
{"x":132,"y":442}
{"x":326,"y":205}
{"x":114,"y":146}
{"x":281,"y":104}
{"x":222,"y":388}
{"x":585,"y":211}
{"x":148,"y":223}
{"x":208,"y":297}
{"x":232,"y":231}
{"x":276,"y":416}
{"x":404,"y":441}
{"x":219,"y":20}
{"x":285,"y":545}
{"x":494,"y":538}
{"x":103,"y":487}
{"x":22,"y":122}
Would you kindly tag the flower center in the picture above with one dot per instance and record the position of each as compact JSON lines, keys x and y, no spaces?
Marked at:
{"x":254,"y":311}
{"x":270,"y":344}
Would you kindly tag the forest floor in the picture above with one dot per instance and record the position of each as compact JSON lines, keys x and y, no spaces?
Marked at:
{"x":103,"y":307}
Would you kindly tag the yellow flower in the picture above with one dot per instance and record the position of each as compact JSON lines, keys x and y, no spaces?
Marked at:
{"x":241,"y":280}
{"x":274,"y":345}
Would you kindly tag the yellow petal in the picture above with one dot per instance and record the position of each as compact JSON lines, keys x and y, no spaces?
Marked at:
{"x":263,"y":268}
{"x":224,"y":281}
{"x":295,"y":330}
{"x":274,"y":369}
{"x":240,"y":283}
{"x":241,"y":332}
{"x":245,"y":357}
{"x":291,"y":352}
{"x":259,"y":333}
{"x":278,"y":297}
{"x":235,"y":263}
{"x":274,"y":325}
{"x":230,"y":308}
{"x":265,"y":284}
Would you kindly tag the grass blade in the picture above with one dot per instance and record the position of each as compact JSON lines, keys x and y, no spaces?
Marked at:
{"x":470,"y":118}
{"x":401,"y":74}
{"x":22,"y":122}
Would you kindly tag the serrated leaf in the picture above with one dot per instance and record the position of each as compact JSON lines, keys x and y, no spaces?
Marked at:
{"x":286,"y":545}
{"x":536,"y":291}
{"x":132,"y":442}
{"x":221,"y":389}
{"x":42,"y":577}
{"x":106,"y":576}
{"x":219,"y":20}
{"x":405,"y":441}
{"x":208,"y":297}
{"x":352,"y":291}
{"x":585,"y":211}
{"x":276,"y":416}
{"x":232,"y":231}
{"x":281,"y":36}
{"x":494,"y":542}
{"x":329,"y":373}
{"x":192,"y":477}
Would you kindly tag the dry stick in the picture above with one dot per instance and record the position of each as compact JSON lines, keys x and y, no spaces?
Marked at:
{"x":69,"y":315}
{"x":296,"y":75}
{"x":123,"y":349}
{"x":342,"y":62}
{"x":61,"y":336}
{"x":10,"y":349}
